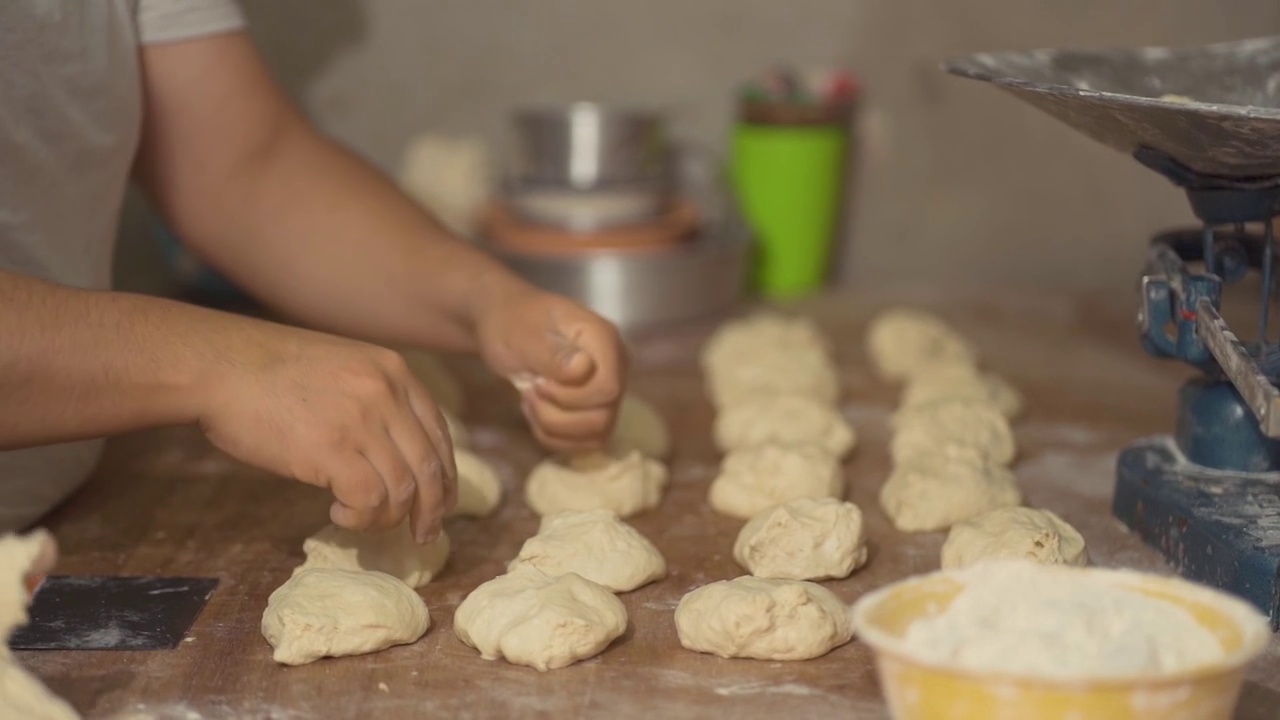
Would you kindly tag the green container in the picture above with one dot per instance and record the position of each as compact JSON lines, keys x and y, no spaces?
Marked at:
{"x":789,"y":181}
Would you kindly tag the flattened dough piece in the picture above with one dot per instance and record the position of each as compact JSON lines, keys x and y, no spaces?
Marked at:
{"x":753,"y":479}
{"x":774,"y":371}
{"x":392,"y":552}
{"x":805,"y":539}
{"x":764,"y":619}
{"x":762,"y":332}
{"x":973,"y":424}
{"x":479,"y":487}
{"x":1014,"y":532}
{"x":630,"y":485}
{"x":903,"y":341}
{"x":640,"y":428}
{"x":596,"y":545}
{"x":530,"y":618}
{"x":947,"y":487}
{"x":22,"y":695}
{"x":785,"y":420}
{"x":334,"y":613}
{"x":953,"y":381}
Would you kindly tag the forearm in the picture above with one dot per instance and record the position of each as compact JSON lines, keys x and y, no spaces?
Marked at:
{"x":77,"y":364}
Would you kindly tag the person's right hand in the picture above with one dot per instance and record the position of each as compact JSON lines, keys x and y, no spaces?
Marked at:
{"x":339,"y":414}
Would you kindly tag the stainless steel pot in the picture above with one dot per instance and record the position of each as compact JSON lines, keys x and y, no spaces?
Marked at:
{"x":588,"y":146}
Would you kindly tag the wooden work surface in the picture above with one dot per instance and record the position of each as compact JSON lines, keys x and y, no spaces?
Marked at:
{"x":164,"y":503}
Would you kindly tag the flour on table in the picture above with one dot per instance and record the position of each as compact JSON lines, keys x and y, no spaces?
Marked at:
{"x":1054,"y":621}
{"x":393,"y":552}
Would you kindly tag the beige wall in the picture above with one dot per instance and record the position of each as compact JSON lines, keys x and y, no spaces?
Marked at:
{"x":948,"y":191}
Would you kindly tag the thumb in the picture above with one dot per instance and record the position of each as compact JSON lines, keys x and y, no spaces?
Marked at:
{"x":558,"y":359}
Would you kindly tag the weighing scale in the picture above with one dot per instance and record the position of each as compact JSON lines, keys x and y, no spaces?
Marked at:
{"x":1208,"y":120}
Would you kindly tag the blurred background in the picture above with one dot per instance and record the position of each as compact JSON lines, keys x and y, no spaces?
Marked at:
{"x":952,"y":183}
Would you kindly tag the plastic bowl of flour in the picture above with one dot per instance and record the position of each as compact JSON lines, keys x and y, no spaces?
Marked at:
{"x":1014,"y":640}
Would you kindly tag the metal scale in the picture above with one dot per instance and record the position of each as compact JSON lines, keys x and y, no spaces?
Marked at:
{"x":1207,"y":119}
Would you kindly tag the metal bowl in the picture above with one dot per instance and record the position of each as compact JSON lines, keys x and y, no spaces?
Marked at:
{"x":587,"y":146}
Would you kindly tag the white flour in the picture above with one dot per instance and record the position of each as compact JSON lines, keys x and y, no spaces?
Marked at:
{"x":1054,"y":622}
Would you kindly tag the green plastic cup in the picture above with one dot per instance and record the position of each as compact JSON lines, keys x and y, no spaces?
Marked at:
{"x":789,"y":182}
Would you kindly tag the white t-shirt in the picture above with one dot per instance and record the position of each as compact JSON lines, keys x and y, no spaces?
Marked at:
{"x":70,"y":117}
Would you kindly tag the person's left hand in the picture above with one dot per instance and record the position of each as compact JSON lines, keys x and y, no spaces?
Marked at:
{"x":573,"y":360}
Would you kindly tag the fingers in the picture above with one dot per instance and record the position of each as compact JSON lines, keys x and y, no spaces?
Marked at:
{"x":359,"y":491}
{"x":590,"y":427}
{"x":603,"y":386}
{"x":420,"y":434}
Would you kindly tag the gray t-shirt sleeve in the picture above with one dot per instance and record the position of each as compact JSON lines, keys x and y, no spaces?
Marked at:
{"x":161,"y":21}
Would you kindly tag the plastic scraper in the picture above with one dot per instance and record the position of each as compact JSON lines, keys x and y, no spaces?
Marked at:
{"x":79,"y":612}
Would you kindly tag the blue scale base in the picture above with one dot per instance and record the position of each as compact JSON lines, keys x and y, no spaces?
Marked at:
{"x":1218,"y":528}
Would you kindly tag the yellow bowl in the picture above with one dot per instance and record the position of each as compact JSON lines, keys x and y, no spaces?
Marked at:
{"x":916,"y":689}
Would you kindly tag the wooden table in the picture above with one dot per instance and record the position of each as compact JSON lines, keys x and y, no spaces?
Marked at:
{"x":165,"y":503}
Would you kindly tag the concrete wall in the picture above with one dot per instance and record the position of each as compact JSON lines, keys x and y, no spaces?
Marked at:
{"x":958,"y":185}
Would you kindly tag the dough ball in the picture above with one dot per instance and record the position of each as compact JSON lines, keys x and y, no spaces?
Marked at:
{"x":785,"y":420}
{"x":774,"y":371}
{"x":953,"y":381}
{"x":805,"y":539}
{"x":1014,"y":532}
{"x":530,"y":618}
{"x":21,"y":694}
{"x":950,"y":486}
{"x":323,"y":612}
{"x":458,"y":433}
{"x":640,"y":428}
{"x":903,"y":341}
{"x":596,"y":545}
{"x":392,"y":552}
{"x":973,"y":424}
{"x":764,"y":619}
{"x":762,"y":333}
{"x":444,"y":387}
{"x":479,"y":488}
{"x":753,"y":479}
{"x":629,"y":485}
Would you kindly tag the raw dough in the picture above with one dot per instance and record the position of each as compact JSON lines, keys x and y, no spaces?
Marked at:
{"x":954,"y":381}
{"x":21,"y":694}
{"x":392,"y":552}
{"x":640,"y":428}
{"x":974,"y":424}
{"x":786,"y":420}
{"x":450,"y":175}
{"x":529,"y":618}
{"x":949,"y":486}
{"x":438,"y":379}
{"x":596,"y":545}
{"x":805,"y":539}
{"x":762,"y":333}
{"x":903,"y":341}
{"x":1054,"y":621}
{"x":774,"y":371}
{"x":1013,"y":532}
{"x":764,"y":619}
{"x":753,"y":479}
{"x":479,"y":488}
{"x":322,"y":612}
{"x":630,"y":485}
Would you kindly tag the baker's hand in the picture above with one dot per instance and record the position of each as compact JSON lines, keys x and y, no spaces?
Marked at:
{"x":341,"y":415}
{"x":573,"y":358}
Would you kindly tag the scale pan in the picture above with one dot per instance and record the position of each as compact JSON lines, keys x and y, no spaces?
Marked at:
{"x":1214,"y":108}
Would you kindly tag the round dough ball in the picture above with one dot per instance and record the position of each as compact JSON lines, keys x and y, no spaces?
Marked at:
{"x":903,"y":341}
{"x":764,"y":619}
{"x":629,"y":485}
{"x":596,"y":545}
{"x":1014,"y":532}
{"x":973,"y":424}
{"x":479,"y":488}
{"x":529,"y":618}
{"x":953,"y":381}
{"x":640,"y":428}
{"x":392,"y":552}
{"x":774,"y":371}
{"x":458,"y":433}
{"x":753,"y":479}
{"x":950,"y":486}
{"x":763,"y":332}
{"x":22,"y":695}
{"x":785,"y":420}
{"x":805,"y":539}
{"x":322,"y":612}
{"x":444,"y":387}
